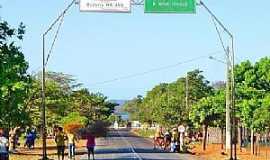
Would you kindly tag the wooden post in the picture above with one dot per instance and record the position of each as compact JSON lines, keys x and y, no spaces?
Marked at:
{"x":222,"y":138}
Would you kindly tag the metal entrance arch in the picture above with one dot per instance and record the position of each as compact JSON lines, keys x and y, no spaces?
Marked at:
{"x":230,"y":87}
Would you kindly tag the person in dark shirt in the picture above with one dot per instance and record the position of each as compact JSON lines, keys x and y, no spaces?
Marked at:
{"x":91,"y":143}
{"x":60,"y":142}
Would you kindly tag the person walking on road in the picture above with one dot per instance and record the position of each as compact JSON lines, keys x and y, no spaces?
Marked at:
{"x":71,"y":145}
{"x":91,"y":143}
{"x":3,"y":146}
{"x":60,"y":143}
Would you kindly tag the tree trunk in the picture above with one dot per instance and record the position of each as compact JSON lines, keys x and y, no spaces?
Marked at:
{"x":240,"y":137}
{"x":8,"y":137}
{"x":267,"y":138}
{"x":244,"y":134}
{"x":252,"y":142}
{"x":256,"y":146}
{"x":258,"y":137}
{"x":205,"y":136}
{"x":222,"y":138}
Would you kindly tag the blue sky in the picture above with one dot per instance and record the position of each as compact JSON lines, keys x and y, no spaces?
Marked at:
{"x":95,"y":47}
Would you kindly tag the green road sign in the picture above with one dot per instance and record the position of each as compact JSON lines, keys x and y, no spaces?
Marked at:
{"x":170,"y":6}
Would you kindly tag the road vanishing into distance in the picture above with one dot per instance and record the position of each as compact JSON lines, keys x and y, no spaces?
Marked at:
{"x":123,"y":145}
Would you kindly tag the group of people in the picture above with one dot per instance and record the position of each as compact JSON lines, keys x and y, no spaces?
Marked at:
{"x":61,"y":139}
{"x":71,"y":138}
{"x":169,"y":139}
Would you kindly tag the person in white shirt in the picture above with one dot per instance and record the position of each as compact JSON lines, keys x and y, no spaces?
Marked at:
{"x":3,"y":146}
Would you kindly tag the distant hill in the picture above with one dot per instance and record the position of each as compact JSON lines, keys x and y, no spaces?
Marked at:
{"x":119,"y":102}
{"x":118,"y":109}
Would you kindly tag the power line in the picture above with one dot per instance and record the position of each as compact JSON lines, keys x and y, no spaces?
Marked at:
{"x":220,"y":37}
{"x":54,"y":39}
{"x":154,"y":70}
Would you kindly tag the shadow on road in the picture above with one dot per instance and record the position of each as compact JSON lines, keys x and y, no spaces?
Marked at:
{"x":128,"y":150}
{"x":129,"y":159}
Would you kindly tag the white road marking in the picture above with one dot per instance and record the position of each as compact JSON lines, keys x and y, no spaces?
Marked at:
{"x":137,"y":156}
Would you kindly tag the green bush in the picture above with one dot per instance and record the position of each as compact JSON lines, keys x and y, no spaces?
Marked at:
{"x":74,"y":118}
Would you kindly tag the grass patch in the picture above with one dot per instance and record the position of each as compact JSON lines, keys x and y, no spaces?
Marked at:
{"x":147,"y":133}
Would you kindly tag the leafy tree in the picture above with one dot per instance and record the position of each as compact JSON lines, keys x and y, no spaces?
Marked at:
{"x":13,"y":77}
{"x":252,"y":85}
{"x":133,"y":108}
{"x":157,"y":100}
{"x":262,"y":115}
{"x":62,"y":98}
{"x":165,"y":103}
{"x":199,"y":87}
{"x":94,"y":106}
{"x":209,"y":111}
{"x":74,"y":118}
{"x":57,"y":99}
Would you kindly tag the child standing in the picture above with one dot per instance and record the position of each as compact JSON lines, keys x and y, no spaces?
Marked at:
{"x":71,"y":145}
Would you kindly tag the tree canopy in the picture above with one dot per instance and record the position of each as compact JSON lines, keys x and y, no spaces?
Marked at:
{"x":165,"y":103}
{"x":14,"y":80}
{"x":64,"y":96}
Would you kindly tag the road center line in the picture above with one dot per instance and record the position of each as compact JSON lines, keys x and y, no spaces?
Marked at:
{"x":130,"y":146}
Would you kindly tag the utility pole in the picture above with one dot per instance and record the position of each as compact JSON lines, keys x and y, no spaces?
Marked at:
{"x":43,"y":95}
{"x":230,"y":97}
{"x":228,"y":146}
{"x":233,"y":98}
{"x":43,"y":114}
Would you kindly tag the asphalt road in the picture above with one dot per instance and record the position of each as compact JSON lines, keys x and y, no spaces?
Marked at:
{"x":122,"y":145}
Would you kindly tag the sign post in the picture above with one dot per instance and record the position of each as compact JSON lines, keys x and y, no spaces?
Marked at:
{"x":170,"y":6}
{"x":181,"y":129}
{"x":105,"y":5}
